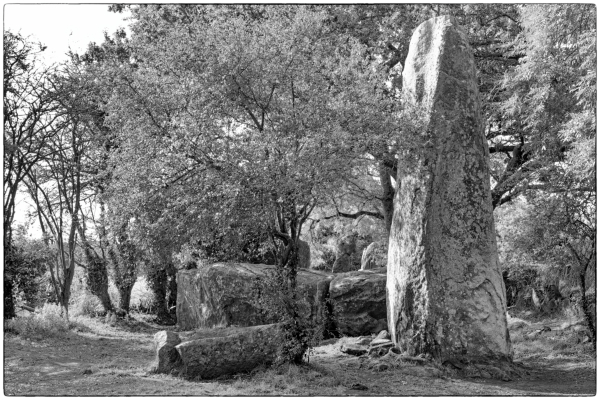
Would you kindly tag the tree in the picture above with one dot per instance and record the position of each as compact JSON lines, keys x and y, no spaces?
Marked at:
{"x":80,"y":89}
{"x":386,"y":31}
{"x":27,"y":260}
{"x":255,"y":119}
{"x":547,"y":101}
{"x":55,"y":186}
{"x":28,"y":115}
{"x":560,"y":228}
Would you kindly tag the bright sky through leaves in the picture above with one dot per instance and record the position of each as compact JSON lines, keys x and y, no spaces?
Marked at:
{"x":62,"y":26}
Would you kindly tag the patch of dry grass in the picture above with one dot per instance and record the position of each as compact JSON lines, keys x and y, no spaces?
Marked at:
{"x":47,"y":323}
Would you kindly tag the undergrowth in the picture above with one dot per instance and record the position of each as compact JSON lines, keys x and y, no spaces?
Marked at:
{"x":532,"y":341}
{"x":47,"y":323}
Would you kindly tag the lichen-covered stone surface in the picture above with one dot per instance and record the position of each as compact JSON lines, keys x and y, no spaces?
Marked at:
{"x":374,"y":256}
{"x":445,"y":291}
{"x":348,"y":252}
{"x":167,"y":358}
{"x":345,"y":254}
{"x":233,"y":351}
{"x":358,"y":302}
{"x":222,"y":294}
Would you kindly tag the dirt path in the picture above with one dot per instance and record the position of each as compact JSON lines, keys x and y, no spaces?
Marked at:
{"x":554,"y":378}
{"x":115,"y":362}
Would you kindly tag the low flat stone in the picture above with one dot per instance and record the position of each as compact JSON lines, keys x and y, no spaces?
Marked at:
{"x":353,"y":349}
{"x":380,"y":349}
{"x":233,"y":351}
{"x":376,"y":342}
{"x":363,"y":340}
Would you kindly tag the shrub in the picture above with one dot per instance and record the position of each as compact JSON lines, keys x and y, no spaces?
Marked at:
{"x":48,"y":322}
{"x":276,"y":301}
{"x":324,"y":257}
{"x":86,"y":304}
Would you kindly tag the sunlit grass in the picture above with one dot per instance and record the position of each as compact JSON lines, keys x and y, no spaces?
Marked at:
{"x":285,"y":380}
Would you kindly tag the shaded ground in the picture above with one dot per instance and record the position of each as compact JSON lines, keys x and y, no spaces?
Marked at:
{"x":97,"y":359}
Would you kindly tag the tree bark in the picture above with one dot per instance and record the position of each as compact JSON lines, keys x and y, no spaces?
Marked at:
{"x":125,"y":275}
{"x":124,"y":296}
{"x":9,"y":300}
{"x":157,"y":280}
{"x":171,"y":287}
{"x":97,"y":279}
{"x":388,"y":191}
{"x":585,"y":306}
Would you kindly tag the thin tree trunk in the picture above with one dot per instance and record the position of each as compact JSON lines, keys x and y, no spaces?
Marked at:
{"x":9,"y":301}
{"x":9,"y":298}
{"x":97,"y":279}
{"x":124,"y":297}
{"x":287,"y":272}
{"x":387,"y":200}
{"x":65,"y":310}
{"x":125,"y":275}
{"x":589,"y":318}
{"x":171,"y":287}
{"x":157,"y":279}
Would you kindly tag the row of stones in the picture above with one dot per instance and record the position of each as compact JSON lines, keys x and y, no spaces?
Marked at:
{"x":222,"y":294}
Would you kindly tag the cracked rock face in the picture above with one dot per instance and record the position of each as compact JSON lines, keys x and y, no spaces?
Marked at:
{"x":222,"y":294}
{"x":445,"y":294}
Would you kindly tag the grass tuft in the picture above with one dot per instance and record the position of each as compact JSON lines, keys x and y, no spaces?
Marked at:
{"x":46,"y":323}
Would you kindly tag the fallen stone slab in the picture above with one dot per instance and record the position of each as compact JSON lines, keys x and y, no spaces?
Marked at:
{"x":353,"y":349}
{"x":361,"y":340}
{"x":380,"y":349}
{"x":378,"y":341}
{"x":209,"y":355}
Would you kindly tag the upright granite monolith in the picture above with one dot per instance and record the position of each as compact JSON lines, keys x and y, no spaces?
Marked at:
{"x":445,"y":291}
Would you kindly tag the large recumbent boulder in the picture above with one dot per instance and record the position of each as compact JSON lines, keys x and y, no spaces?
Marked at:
{"x":224,"y":294}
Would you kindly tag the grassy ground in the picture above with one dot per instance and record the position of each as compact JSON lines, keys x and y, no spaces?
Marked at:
{"x":89,"y":357}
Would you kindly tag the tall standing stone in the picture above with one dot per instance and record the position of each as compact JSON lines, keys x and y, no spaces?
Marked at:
{"x":445,"y":291}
